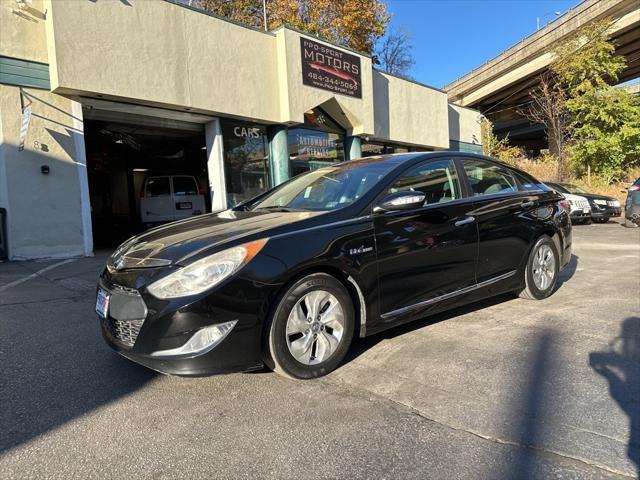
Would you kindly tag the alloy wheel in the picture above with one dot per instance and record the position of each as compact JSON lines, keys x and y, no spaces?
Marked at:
{"x":544,"y":267}
{"x":315,"y":327}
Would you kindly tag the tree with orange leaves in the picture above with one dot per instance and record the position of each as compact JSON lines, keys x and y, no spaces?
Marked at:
{"x":357,"y":24}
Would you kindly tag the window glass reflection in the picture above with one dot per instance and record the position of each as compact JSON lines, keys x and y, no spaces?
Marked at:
{"x":246,"y":160}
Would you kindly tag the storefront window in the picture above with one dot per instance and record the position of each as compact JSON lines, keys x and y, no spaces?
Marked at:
{"x":318,"y":143}
{"x":246,"y":160}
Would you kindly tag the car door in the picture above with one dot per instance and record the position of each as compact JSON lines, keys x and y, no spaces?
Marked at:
{"x":187,"y":200}
{"x":501,"y":210}
{"x":156,"y":205}
{"x":426,"y":252}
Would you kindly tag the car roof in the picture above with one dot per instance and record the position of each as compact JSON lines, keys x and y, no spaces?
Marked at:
{"x":411,"y":157}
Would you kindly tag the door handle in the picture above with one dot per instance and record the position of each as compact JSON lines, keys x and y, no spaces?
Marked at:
{"x":527,"y":204}
{"x":465,"y":221}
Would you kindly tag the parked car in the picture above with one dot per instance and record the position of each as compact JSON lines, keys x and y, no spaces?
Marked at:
{"x":632,"y":205}
{"x":579,"y":207}
{"x":602,"y":207}
{"x":167,"y":198}
{"x":288,"y":278}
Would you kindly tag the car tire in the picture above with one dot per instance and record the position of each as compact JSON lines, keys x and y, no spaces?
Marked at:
{"x":587,"y":221}
{"x":630,"y":223}
{"x":541,"y":273}
{"x":313,"y":318}
{"x":601,"y":220}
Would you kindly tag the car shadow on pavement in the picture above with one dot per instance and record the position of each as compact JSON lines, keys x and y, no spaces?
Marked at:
{"x":620,"y":366}
{"x":568,"y":271}
{"x":361,"y":345}
{"x":55,"y":369}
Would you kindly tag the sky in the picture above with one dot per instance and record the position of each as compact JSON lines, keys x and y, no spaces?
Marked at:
{"x":452,"y":37}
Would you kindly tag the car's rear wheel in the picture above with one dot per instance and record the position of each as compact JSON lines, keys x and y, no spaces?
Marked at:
{"x":541,"y":272}
{"x":311,"y":328}
{"x":630,"y":223}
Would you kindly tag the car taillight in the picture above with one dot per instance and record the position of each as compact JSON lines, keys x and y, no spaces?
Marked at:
{"x":564,"y":204}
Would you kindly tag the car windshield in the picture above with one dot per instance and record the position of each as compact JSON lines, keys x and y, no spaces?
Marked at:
{"x":327,"y":188}
{"x":574,"y":189}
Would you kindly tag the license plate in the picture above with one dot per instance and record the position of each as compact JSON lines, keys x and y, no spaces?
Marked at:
{"x":184,"y":205}
{"x":102,"y":303}
{"x":585,"y":210}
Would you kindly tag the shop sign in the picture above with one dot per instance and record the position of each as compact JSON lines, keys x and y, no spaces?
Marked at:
{"x":316,"y":146}
{"x":330,"y":69}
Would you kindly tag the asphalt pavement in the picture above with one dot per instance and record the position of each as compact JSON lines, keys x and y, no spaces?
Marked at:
{"x":502,"y":389}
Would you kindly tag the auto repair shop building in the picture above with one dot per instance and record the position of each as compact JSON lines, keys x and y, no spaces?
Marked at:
{"x":97,"y":96}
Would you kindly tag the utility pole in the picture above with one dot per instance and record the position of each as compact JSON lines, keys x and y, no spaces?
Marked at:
{"x":264,"y":13}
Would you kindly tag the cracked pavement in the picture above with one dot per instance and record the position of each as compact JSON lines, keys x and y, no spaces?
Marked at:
{"x":503,"y":389}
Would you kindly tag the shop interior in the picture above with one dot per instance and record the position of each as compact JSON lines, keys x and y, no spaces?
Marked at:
{"x":125,"y":150}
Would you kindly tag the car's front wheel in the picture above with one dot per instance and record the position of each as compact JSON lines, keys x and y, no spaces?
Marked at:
{"x":311,"y":328}
{"x":541,"y":272}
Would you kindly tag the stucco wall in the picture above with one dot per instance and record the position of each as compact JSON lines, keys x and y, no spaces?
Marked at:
{"x":464,"y":125}
{"x":161,"y":53}
{"x":408,"y":112}
{"x":43,"y":210}
{"x":22,"y":31}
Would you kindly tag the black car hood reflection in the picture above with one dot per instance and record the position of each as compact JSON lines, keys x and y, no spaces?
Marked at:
{"x":176,"y":242}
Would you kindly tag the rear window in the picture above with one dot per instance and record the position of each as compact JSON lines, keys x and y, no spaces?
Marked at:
{"x":184,"y":186}
{"x":157,"y":187}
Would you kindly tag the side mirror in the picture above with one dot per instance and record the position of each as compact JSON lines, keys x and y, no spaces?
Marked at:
{"x":403,"y":200}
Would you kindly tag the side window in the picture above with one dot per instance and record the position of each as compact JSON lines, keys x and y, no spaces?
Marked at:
{"x":184,"y":186}
{"x":528,"y":184}
{"x":157,"y":187}
{"x":487,"y":178}
{"x":437,"y":180}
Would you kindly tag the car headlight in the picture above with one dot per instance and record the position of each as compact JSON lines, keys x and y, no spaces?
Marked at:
{"x":205,"y":273}
{"x":600,"y":202}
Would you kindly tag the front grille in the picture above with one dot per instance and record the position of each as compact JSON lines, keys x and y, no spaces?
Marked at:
{"x":613,"y":203}
{"x":581,"y":203}
{"x":125,"y":331}
{"x":125,"y":315}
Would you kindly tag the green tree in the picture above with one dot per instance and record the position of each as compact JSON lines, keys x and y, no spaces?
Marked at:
{"x":604,"y":120}
{"x":357,"y":24}
{"x":494,"y":147}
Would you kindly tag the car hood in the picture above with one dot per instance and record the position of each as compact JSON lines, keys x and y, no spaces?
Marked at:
{"x":595,"y":196}
{"x":572,"y":197}
{"x":177,"y":242}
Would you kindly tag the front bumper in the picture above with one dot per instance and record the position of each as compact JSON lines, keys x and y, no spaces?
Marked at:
{"x":166,"y":325}
{"x":580,"y":214}
{"x":601,"y":211}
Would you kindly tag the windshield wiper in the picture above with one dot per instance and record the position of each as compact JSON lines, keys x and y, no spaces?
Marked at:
{"x":278,"y":208}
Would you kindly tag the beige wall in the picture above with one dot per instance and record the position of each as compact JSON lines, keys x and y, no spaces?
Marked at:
{"x":22,"y":31}
{"x":464,"y":124}
{"x":44,"y":210}
{"x":160,"y":53}
{"x":409,"y":113}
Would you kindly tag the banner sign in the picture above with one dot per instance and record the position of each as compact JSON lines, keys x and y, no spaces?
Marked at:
{"x":24,"y":126}
{"x":330,"y":69}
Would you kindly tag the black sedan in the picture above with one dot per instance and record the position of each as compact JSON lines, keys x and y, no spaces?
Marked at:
{"x":289,"y":278}
{"x":602,"y":207}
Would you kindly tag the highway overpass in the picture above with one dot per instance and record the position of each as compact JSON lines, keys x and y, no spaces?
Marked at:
{"x":501,"y":86}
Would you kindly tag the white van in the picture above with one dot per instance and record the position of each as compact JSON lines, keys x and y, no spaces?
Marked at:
{"x":167,"y":198}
